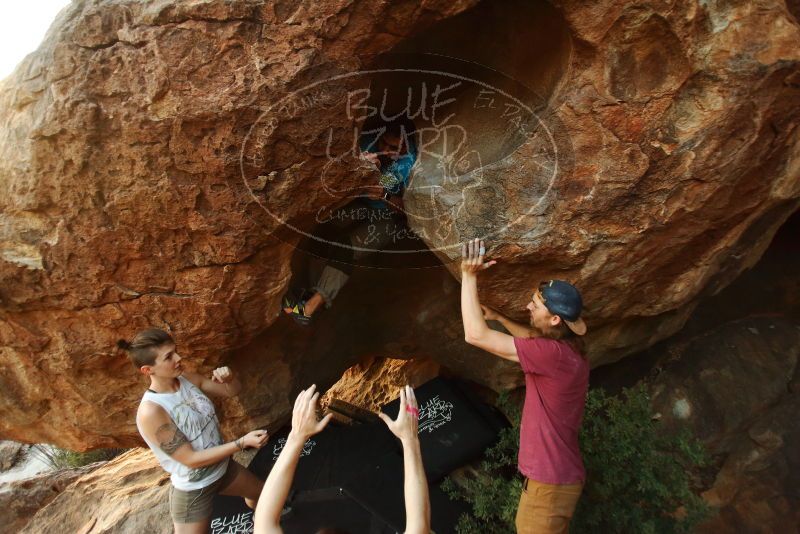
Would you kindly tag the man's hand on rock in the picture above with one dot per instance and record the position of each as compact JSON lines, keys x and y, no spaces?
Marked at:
{"x":472,"y":257}
{"x":489,"y":314}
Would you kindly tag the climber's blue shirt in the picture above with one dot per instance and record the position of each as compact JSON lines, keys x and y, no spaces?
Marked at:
{"x":394,"y":176}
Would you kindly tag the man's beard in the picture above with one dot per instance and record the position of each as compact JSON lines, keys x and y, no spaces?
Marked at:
{"x":538,"y":332}
{"x":552,"y":333}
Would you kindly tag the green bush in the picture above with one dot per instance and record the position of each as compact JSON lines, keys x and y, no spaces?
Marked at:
{"x":638,"y":479}
{"x":58,"y":458}
{"x":494,"y":489}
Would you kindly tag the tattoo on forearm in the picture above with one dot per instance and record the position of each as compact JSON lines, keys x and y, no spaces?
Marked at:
{"x":170,"y":438}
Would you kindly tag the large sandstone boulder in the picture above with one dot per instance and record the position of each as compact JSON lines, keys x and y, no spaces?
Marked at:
{"x":162,"y":160}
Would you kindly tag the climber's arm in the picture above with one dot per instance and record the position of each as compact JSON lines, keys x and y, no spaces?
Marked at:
{"x":476,"y":331}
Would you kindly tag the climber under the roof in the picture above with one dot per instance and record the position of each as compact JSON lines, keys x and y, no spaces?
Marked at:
{"x":364,"y":226}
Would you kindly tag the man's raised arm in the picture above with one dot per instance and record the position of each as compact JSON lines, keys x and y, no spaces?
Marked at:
{"x":476,"y":331}
{"x":514,"y":328}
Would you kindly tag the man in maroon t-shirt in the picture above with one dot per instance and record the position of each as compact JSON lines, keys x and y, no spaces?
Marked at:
{"x":556,"y":381}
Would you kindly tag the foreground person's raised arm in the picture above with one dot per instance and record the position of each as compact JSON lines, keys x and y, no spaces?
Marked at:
{"x":476,"y":331}
{"x":415,"y":486}
{"x":273,"y":496}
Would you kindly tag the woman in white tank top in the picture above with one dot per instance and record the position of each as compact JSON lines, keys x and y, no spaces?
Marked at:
{"x":179,"y":424}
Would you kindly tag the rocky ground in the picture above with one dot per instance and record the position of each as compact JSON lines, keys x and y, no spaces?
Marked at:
{"x":737,"y":388}
{"x":11,"y":454}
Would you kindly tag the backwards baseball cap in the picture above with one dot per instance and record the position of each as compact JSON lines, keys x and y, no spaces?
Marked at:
{"x":562,"y":298}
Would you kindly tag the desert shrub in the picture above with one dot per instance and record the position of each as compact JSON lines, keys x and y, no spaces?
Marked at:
{"x":493,"y":490}
{"x":58,"y":458}
{"x":638,"y":479}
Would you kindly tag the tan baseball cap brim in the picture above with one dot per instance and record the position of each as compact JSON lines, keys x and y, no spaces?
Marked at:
{"x":579,"y":327}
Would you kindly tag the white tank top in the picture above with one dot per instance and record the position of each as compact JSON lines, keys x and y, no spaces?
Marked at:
{"x":193,"y":413}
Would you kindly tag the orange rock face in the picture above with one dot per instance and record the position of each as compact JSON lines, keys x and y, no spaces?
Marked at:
{"x":375,"y":382}
{"x":161,"y":161}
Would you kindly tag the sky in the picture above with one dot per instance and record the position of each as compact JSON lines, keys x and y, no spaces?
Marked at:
{"x":23,"y":24}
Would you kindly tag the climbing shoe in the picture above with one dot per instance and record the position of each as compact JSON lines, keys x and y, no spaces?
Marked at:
{"x":294,"y":307}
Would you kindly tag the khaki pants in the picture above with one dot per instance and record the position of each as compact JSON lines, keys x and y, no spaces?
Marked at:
{"x":546,"y":508}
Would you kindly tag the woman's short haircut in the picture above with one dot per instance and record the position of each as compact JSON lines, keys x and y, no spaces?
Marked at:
{"x":141,"y":350}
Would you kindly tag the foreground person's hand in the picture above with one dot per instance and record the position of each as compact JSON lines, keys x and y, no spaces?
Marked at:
{"x":305,"y":422}
{"x":405,"y":427}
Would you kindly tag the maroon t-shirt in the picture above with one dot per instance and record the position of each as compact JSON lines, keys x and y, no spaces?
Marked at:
{"x":556,"y":380}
